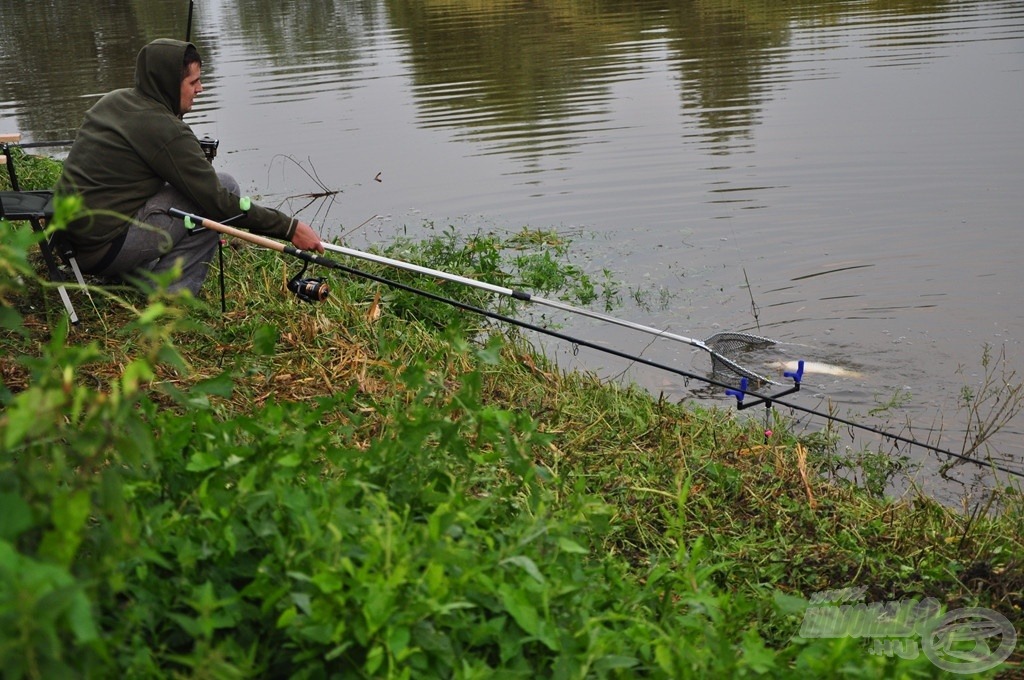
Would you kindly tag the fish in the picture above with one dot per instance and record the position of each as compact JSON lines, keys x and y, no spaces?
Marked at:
{"x":816,"y":367}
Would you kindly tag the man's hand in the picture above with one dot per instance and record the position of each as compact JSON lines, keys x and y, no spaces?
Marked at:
{"x":306,"y":239}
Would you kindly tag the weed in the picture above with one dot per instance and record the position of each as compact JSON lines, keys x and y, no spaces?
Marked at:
{"x":989,"y":406}
{"x":34,"y":172}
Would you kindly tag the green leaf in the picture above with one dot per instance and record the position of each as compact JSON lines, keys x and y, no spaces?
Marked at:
{"x":152,"y":313}
{"x":138,"y":371}
{"x":202,"y":461}
{"x":527,"y":565}
{"x":264,"y":340}
{"x":69,"y":513}
{"x":218,"y":386}
{"x":613,"y":661}
{"x":518,"y":605}
{"x":286,"y":617}
{"x":28,"y":409}
{"x":11,"y":320}
{"x":491,"y":354}
{"x":570,"y":546}
{"x":398,"y":640}
{"x":327,"y":581}
{"x":303,"y":602}
{"x":378,"y":607}
{"x":167,"y":354}
{"x":248,"y":483}
{"x":755,"y":654}
{"x":665,"y":658}
{"x":80,"y":618}
{"x":17,"y":516}
{"x":9,"y":559}
{"x":337,"y":651}
{"x":187,"y":623}
{"x":789,"y":604}
{"x":290,"y":460}
{"x":374,"y":659}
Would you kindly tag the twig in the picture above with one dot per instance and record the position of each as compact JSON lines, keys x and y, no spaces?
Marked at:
{"x":753,"y":305}
{"x":312,"y":196}
{"x":360,"y":226}
{"x":801,"y":466}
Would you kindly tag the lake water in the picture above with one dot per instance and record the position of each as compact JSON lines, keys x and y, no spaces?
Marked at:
{"x":844,"y":177}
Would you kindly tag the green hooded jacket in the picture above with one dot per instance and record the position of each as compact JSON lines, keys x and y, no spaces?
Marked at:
{"x":132,"y":142}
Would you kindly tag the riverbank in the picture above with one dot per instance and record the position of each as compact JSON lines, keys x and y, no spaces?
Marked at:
{"x":384,"y":486}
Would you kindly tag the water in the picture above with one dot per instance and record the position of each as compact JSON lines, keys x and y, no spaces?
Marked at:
{"x":847,"y":178}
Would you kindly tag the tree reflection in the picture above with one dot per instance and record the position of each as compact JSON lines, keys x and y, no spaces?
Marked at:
{"x":57,"y":55}
{"x":521,"y":75}
{"x":525,"y":77}
{"x":310,"y":32}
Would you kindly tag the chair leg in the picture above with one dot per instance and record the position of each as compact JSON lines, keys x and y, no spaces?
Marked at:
{"x":57,"y":277}
{"x":73,"y":263}
{"x":72,"y":316}
{"x":67,"y":255}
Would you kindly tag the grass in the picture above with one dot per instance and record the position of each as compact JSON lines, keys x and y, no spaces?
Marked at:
{"x":383,"y":486}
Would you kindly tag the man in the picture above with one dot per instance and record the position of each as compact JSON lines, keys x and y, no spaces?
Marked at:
{"x":134,"y":158}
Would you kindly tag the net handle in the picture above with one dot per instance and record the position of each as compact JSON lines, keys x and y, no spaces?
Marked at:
{"x":555,"y":304}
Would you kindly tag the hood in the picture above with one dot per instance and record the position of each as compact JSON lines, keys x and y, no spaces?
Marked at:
{"x":158,"y":72}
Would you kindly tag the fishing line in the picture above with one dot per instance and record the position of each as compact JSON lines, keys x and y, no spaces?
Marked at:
{"x":768,"y":400}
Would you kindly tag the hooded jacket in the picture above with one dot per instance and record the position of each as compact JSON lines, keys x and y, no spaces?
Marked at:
{"x":132,"y":142}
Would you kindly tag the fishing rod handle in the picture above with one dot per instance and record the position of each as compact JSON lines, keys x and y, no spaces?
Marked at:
{"x":207,"y":223}
{"x":256,"y":239}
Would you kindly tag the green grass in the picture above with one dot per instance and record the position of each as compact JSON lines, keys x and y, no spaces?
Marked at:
{"x":381,"y":486}
{"x":33,"y":172}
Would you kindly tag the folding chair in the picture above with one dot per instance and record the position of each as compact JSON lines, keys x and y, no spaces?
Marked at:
{"x":36,"y":207}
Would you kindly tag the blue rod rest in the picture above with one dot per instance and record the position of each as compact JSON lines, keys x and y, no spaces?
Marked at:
{"x":798,"y":374}
{"x":741,"y":392}
{"x":767,"y":400}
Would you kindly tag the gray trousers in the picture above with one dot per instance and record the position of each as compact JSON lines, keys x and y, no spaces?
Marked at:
{"x":156,"y":242}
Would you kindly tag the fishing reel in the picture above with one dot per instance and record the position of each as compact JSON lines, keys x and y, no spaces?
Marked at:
{"x":308,"y":290}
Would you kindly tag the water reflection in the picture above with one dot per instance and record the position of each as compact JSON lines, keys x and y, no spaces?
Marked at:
{"x":302,"y":51}
{"x":524,"y":78}
{"x":42,"y":82}
{"x":535,"y":79}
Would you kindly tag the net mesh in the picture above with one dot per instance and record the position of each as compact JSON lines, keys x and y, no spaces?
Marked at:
{"x":725,"y":345}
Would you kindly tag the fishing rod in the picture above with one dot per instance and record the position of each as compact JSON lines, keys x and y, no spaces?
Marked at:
{"x":188,"y":26}
{"x":193,"y":221}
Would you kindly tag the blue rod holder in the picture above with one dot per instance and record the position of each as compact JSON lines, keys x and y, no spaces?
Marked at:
{"x":740,"y":393}
{"x":798,"y":374}
{"x":767,"y":400}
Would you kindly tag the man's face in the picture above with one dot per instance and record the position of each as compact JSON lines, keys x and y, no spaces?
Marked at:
{"x":191,"y":85}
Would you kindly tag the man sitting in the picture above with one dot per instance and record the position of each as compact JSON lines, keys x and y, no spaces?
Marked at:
{"x":134,"y":158}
